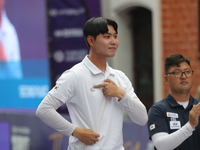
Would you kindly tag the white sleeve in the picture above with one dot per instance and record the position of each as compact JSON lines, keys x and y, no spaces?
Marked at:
{"x":46,"y":111}
{"x":135,"y":109}
{"x":165,"y":141}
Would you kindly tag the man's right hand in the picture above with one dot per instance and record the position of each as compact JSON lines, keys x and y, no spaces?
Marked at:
{"x":194,"y":115}
{"x":86,"y":136}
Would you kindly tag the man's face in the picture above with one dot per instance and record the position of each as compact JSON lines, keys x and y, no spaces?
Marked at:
{"x":182,"y":84}
{"x":105,"y":45}
{"x":2,"y":2}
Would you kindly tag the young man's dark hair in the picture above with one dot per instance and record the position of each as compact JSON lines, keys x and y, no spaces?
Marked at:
{"x":95,"y":95}
{"x":96,"y":26}
{"x":175,"y":60}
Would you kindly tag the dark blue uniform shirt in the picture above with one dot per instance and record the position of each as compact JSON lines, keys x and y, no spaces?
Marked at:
{"x":168,"y":116}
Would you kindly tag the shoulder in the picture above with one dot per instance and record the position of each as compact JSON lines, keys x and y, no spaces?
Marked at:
{"x":122,"y":78}
{"x":6,"y":24}
{"x":77,"y":67}
{"x":194,"y":101}
{"x":118,"y":73}
{"x":158,"y":107}
{"x":70,"y":73}
{"x":160,"y":104}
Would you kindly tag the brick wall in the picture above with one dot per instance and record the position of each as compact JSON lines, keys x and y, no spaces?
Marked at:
{"x":180,"y":34}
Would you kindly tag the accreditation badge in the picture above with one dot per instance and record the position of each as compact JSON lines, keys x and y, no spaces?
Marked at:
{"x":175,"y":124}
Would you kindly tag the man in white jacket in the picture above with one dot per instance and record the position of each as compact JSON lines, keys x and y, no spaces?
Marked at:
{"x":10,"y":60}
{"x":96,"y":95}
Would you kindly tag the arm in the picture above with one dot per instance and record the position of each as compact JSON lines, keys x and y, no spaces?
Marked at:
{"x":134,"y":107}
{"x":161,"y":139}
{"x":165,"y":141}
{"x":48,"y":114}
{"x":46,"y":111}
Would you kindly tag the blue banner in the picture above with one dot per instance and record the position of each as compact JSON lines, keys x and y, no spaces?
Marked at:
{"x":66,"y":20}
{"x":33,"y":134}
{"x":24,"y":72}
{"x":23,"y":93}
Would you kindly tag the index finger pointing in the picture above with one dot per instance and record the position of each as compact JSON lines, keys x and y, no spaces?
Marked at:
{"x":99,"y":86}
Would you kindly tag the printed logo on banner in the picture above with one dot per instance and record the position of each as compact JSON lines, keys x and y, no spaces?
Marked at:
{"x":24,"y":94}
{"x":68,"y":46}
{"x":33,"y":91}
{"x":21,"y":137}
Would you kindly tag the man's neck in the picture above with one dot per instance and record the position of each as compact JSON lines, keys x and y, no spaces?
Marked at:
{"x":98,"y":62}
{"x":181,"y":97}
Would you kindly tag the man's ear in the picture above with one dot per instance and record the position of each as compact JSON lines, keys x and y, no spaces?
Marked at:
{"x":166,"y":79}
{"x":90,"y":40}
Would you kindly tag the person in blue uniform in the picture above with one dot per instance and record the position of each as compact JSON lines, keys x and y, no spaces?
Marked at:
{"x":174,"y":121}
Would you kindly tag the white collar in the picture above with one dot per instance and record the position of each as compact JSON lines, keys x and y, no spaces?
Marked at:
{"x":184,"y":104}
{"x":86,"y":61}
